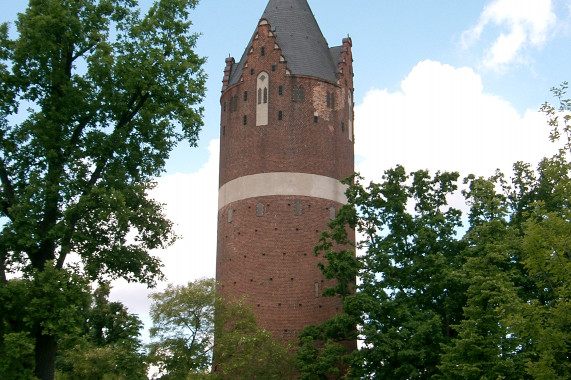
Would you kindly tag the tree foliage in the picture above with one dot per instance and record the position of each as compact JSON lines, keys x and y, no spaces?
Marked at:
{"x":93,"y":97}
{"x":109,"y":346}
{"x":183,"y":325}
{"x":244,"y":350}
{"x":185,"y":321}
{"x":438,"y":299}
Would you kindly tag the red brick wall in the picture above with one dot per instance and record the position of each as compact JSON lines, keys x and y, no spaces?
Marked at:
{"x":270,"y":258}
{"x":296,"y":143}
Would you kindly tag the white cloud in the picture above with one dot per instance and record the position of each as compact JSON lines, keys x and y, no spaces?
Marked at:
{"x":191,"y":203}
{"x":442,"y":119}
{"x":523,"y":24}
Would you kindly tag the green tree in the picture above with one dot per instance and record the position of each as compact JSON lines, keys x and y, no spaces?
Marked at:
{"x":93,"y":98}
{"x":109,"y":346}
{"x":246,"y":351}
{"x":405,"y":303}
{"x":183,"y":329}
{"x":487,"y":346}
{"x":54,"y":299}
{"x":431,"y":304}
{"x":546,"y":317}
{"x":185,"y":321}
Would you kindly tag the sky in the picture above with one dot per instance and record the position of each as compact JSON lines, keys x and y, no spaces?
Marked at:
{"x":439,"y":85}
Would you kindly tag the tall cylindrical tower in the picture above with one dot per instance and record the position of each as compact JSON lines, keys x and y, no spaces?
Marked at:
{"x":286,"y":140}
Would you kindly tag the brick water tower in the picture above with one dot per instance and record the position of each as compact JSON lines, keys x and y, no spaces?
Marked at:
{"x":286,"y":140}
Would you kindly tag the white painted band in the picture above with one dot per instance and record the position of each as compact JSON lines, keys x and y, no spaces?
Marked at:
{"x":266,"y":184}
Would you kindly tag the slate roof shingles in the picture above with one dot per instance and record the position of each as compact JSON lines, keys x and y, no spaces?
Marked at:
{"x":300,"y":38}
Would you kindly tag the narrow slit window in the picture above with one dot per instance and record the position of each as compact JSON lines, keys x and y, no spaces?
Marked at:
{"x":265,"y":95}
{"x":263,"y":51}
{"x":280,"y":115}
{"x":297,"y":95}
{"x":280,"y":90}
{"x":259,"y":96}
{"x":260,"y":209}
{"x":297,"y":208}
{"x":245,"y":96}
{"x":245,"y":120}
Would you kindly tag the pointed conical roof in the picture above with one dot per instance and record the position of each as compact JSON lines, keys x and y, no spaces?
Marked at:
{"x":300,"y":39}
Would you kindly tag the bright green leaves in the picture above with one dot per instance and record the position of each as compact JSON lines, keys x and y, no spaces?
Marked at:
{"x":546,"y":319}
{"x":184,"y":325}
{"x":246,"y":351}
{"x":559,"y":118}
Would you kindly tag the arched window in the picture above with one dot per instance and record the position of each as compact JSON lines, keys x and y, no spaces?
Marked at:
{"x":262,"y":86}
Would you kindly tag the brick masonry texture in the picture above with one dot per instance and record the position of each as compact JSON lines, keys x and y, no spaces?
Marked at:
{"x":269,"y":259}
{"x":295,"y":143}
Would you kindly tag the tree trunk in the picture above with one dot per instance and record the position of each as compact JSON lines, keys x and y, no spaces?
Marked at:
{"x":45,"y":356}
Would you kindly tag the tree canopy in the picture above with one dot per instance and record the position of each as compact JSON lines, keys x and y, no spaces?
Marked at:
{"x":446,"y":296}
{"x":186,"y":321}
{"x":93,"y":97}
